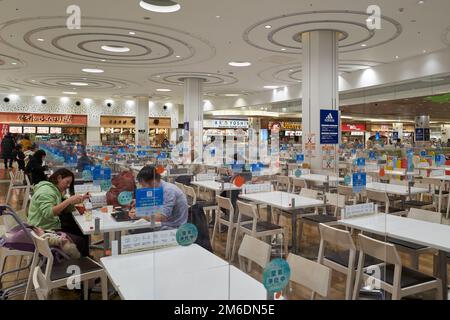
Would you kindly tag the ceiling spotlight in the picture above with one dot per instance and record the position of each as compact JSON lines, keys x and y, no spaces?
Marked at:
{"x":163,"y":90}
{"x":102,"y":60}
{"x":424,"y":51}
{"x":163,"y":6}
{"x":14,"y":63}
{"x":218,"y":17}
{"x":268,"y":26}
{"x":90,"y":70}
{"x":118,"y":49}
{"x":178,"y":56}
{"x":283,"y":49}
{"x":364,"y":45}
{"x":40,"y":39}
{"x":132,"y":33}
{"x":69,"y":92}
{"x":79,"y":84}
{"x":239,"y":63}
{"x":87,"y":100}
{"x":231,"y":94}
{"x":396,"y":57}
{"x":270,"y":87}
{"x":421,"y":2}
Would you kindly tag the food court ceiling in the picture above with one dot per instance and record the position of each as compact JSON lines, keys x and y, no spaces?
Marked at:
{"x":40,"y":55}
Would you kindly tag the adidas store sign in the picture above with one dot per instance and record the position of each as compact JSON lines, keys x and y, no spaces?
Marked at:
{"x":329,"y":127}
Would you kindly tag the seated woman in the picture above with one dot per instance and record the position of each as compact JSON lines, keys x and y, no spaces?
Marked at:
{"x":35,"y":168}
{"x":49,"y":204}
{"x":175,"y":210}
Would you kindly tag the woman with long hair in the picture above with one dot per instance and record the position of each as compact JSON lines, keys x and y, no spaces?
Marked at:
{"x":36,"y":168}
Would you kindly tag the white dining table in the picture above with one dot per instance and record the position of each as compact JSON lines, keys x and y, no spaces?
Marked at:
{"x":288,"y":202}
{"x":215,"y":185}
{"x":424,"y":233}
{"x":319,"y":178}
{"x":180,"y":273}
{"x":395,"y":189}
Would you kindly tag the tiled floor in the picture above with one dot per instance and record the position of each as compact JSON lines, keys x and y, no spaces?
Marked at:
{"x":309,"y":246}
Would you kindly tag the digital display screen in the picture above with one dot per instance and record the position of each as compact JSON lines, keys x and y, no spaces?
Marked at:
{"x":29,"y":129}
{"x":55,"y":130}
{"x":43,"y":130}
{"x":15,"y":129}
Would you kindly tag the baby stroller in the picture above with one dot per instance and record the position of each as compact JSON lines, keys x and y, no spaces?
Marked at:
{"x":17,"y":241}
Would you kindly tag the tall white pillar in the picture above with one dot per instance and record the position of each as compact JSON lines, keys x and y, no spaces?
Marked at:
{"x":320,"y":85}
{"x":193,"y":114}
{"x":142,"y":115}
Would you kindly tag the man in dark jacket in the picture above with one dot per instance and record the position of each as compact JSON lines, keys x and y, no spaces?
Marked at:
{"x":8,"y":146}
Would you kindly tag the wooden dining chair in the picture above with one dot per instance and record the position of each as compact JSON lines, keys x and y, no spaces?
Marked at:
{"x":394,"y":278}
{"x":310,"y":274}
{"x":381,"y":197}
{"x":283,"y":183}
{"x":253,"y":250}
{"x":347,"y":191}
{"x":40,"y":284}
{"x":257,"y":228}
{"x":297,"y":185}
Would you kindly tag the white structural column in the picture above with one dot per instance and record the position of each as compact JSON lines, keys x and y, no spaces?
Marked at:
{"x":320,"y":86}
{"x":142,"y":118}
{"x":193,"y":114}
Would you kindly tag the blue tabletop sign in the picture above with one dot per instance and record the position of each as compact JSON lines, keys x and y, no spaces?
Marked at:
{"x":372,"y":155}
{"x":300,"y":158}
{"x":423,"y":153}
{"x":149,"y":201}
{"x":440,"y":160}
{"x":360,"y":162}
{"x":255,"y":167}
{"x":377,"y":136}
{"x":329,"y":127}
{"x":359,"y":182}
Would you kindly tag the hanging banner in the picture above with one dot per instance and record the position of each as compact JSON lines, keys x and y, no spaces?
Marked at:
{"x":329,"y":127}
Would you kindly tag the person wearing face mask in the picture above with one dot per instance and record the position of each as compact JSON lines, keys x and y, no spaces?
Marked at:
{"x":49,"y":204}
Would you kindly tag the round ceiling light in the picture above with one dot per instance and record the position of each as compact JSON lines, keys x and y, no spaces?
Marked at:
{"x":118,"y":49}
{"x":163,"y":90}
{"x":239,"y":63}
{"x":163,"y":6}
{"x":69,"y":92}
{"x":92,"y":70}
{"x":79,"y":84}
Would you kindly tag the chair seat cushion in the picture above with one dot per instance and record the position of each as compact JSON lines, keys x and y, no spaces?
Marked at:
{"x":407,"y":244}
{"x":417,"y":203}
{"x":409,"y":277}
{"x":262,"y":226}
{"x":320,"y":218}
{"x":59,"y":270}
{"x":436,"y":192}
{"x":342,"y":258}
{"x":235,"y":218}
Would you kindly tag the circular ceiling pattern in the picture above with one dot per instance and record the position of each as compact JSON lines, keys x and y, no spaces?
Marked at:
{"x":72,"y":82}
{"x":284,"y":35}
{"x":177,"y":78}
{"x":227,"y":94}
{"x":150,"y":44}
{"x":10,"y":63}
{"x":292,"y":73}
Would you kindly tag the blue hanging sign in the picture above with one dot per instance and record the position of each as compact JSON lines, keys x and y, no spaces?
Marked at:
{"x":329,"y":127}
{"x":149,"y":201}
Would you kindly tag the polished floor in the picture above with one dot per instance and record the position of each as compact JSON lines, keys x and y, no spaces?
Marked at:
{"x":308,"y":247}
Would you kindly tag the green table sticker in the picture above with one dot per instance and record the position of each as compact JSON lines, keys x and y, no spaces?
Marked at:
{"x":187,"y":234}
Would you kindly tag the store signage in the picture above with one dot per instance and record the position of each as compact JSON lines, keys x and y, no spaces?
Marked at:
{"x":285,"y":125}
{"x":243,"y":124}
{"x":42,"y":118}
{"x":345,"y":127}
{"x":329,"y":127}
{"x":394,"y":135}
{"x":420,"y":134}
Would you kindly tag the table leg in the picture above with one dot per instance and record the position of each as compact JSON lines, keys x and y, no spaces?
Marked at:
{"x":269,"y":219}
{"x":118,"y":238}
{"x":442,"y":273}
{"x":294,"y":231}
{"x":106,"y":241}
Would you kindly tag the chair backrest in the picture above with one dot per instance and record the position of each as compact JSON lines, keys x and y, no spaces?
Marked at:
{"x":378,"y":249}
{"x":255,"y":250}
{"x":225,"y":203}
{"x":433,"y":182}
{"x":298,"y":184}
{"x":335,"y":200}
{"x":425,"y":215}
{"x":310,"y":274}
{"x":40,"y":284}
{"x":378,"y":196}
{"x":223,"y":171}
{"x":338,"y":237}
{"x":180,"y":186}
{"x":309,"y":193}
{"x":398,"y":182}
{"x":43,"y":249}
{"x":190,"y":195}
{"x":283,"y":183}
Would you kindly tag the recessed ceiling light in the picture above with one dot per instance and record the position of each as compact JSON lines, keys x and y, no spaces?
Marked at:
{"x":92,"y":70}
{"x":421,"y":2}
{"x":165,"y":6}
{"x":13,"y":63}
{"x":369,"y":20}
{"x":33,"y":80}
{"x":163,"y":90}
{"x":396,"y":57}
{"x":79,"y":84}
{"x":291,"y":70}
{"x":118,"y":49}
{"x":40,"y":39}
{"x":364,"y":45}
{"x":132,"y":33}
{"x":69,"y":92}
{"x":424,"y":51}
{"x":103,"y":60}
{"x":268,"y":26}
{"x":178,"y":56}
{"x":270,"y":87}
{"x":231,"y":94}
{"x":218,"y":17}
{"x":239,"y":63}
{"x":283,"y":49}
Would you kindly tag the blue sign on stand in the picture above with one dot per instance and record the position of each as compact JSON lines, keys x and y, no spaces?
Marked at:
{"x":359,"y":182}
{"x":149,"y":201}
{"x":300,"y":158}
{"x":329,"y":127}
{"x":372,"y":155}
{"x":360,"y":162}
{"x":377,"y":136}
